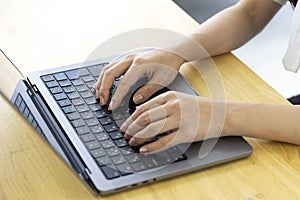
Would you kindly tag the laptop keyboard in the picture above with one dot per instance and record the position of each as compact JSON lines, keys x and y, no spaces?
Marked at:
{"x":98,"y":128}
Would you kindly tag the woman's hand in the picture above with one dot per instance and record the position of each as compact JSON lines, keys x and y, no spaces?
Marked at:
{"x":160,"y":66}
{"x":189,"y":118}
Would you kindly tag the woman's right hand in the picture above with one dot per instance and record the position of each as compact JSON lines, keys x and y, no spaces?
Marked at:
{"x":160,"y":67}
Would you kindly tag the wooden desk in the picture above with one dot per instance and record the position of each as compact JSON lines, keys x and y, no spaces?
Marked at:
{"x":39,"y":34}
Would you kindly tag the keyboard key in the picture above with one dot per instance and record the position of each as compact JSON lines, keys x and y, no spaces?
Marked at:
{"x":90,"y":84}
{"x":73,"y":74}
{"x":82,"y":130}
{"x":64,"y":83}
{"x":105,"y":120}
{"x":65,"y":102}
{"x":133,"y":158}
{"x":93,"y":145}
{"x":83,"y":72}
{"x":86,"y":94}
{"x":60,"y":76}
{"x":127,"y":150}
{"x":87,"y":78}
{"x":73,"y":96}
{"x":125,"y":169}
{"x":110,"y":173}
{"x":69,"y":109}
{"x":47,"y":78}
{"x":77,"y":82}
{"x":91,"y":100}
{"x":77,"y":102}
{"x":102,"y":136}
{"x":88,"y":137}
{"x":117,"y":160}
{"x":87,"y":115}
{"x":121,"y":142}
{"x":30,"y":118}
{"x":95,"y":70}
{"x":82,"y":108}
{"x":34,"y":124}
{"x":68,"y":89}
{"x":102,"y":161}
{"x":56,"y":90}
{"x":77,"y":123}
{"x":60,"y":96}
{"x":152,"y":161}
{"x":180,"y":158}
{"x":51,"y":84}
{"x":92,"y":121}
{"x":139,"y":166}
{"x":18,"y":100}
{"x":73,"y":116}
{"x":22,"y":107}
{"x":26,"y":112}
{"x":107,"y":144}
{"x":98,"y":153}
{"x":114,"y":151}
{"x":81,"y":88}
{"x":96,"y":129}
{"x":100,"y":114}
{"x":110,"y":127}
{"x":116,"y":135}
{"x":95,"y":107}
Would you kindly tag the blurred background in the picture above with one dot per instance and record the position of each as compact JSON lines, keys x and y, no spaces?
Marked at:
{"x":264,"y":53}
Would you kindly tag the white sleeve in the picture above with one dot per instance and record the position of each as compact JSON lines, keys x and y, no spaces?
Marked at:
{"x":281,"y":2}
{"x":291,"y":60}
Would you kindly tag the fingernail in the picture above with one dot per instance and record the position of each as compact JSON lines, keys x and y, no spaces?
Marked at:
{"x":131,"y":142}
{"x":126,"y":136}
{"x":138,"y":98}
{"x":123,"y":127}
{"x":101,"y":100}
{"x":110,"y":107}
{"x":143,"y":150}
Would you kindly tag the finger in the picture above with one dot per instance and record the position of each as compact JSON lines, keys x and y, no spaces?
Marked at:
{"x":146,"y":92}
{"x":99,"y":81}
{"x":128,"y":80}
{"x":153,"y":130}
{"x":140,"y":110}
{"x":109,"y":77}
{"x":149,"y":116}
{"x":161,"y":144}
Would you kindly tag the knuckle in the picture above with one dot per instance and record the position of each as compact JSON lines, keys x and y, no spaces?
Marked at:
{"x":129,"y":57}
{"x":107,"y":73}
{"x":144,"y":119}
{"x":139,"y":60}
{"x":168,"y":95}
{"x":105,"y":68}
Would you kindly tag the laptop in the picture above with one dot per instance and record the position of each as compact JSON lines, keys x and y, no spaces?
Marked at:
{"x":59,"y":103}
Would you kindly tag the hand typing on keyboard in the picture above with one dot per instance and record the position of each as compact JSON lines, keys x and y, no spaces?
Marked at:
{"x":161,"y":67}
{"x":187,"y":116}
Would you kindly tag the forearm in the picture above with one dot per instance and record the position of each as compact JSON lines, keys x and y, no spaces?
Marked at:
{"x":227,"y":30}
{"x":274,"y":122}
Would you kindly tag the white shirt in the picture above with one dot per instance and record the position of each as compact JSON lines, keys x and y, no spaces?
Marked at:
{"x":291,"y":60}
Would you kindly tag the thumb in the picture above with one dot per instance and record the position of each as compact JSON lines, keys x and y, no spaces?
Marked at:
{"x":146,"y":92}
